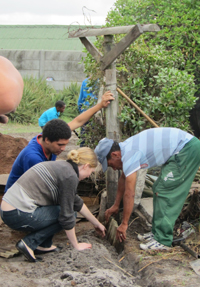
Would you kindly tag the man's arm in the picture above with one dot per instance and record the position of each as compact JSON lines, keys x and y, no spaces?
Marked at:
{"x":128,"y":204}
{"x":120,"y":193}
{"x":85,"y":116}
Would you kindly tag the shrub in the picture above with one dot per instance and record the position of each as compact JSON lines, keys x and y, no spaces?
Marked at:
{"x":158,"y":71}
{"x":168,"y":101}
{"x":38,"y":96}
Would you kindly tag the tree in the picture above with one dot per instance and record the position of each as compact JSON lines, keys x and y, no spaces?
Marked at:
{"x":159,"y":71}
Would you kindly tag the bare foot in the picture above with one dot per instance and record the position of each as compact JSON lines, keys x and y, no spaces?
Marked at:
{"x":29,"y":250}
{"x":46,"y":249}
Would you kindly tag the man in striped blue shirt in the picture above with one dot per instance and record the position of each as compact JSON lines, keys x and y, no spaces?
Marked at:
{"x":178,"y":153}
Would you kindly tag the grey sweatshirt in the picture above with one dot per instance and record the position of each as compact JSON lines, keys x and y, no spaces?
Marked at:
{"x":48,"y":183}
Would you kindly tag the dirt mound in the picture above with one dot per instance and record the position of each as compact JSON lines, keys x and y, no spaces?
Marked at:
{"x":10,"y":147}
{"x":100,"y":266}
{"x":94,"y":267}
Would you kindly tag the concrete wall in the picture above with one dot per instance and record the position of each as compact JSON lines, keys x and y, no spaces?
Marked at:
{"x":62,"y":66}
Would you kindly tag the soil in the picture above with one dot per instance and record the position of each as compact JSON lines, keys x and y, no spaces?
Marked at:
{"x":10,"y":147}
{"x":12,"y":144}
{"x":99,"y":266}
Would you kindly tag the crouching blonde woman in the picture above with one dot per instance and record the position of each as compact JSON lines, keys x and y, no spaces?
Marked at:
{"x":44,"y":199}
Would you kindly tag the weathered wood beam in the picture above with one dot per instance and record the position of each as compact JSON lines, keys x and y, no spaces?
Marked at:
{"x":112,"y":31}
{"x":112,"y":122}
{"x":91,"y":48}
{"x":134,"y":33}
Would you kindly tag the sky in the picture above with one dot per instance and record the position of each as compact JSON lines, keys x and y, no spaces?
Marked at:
{"x":54,"y":12}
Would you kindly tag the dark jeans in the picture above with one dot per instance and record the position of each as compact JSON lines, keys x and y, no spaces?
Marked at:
{"x":42,"y":224}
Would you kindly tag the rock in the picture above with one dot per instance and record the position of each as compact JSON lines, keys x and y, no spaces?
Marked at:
{"x":146,"y":208}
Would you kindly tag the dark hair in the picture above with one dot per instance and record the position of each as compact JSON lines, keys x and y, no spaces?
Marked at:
{"x":56,"y":130}
{"x":114,"y":147}
{"x":59,"y":104}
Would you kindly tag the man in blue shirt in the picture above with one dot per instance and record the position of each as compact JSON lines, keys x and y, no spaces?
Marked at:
{"x":85,"y":92}
{"x":44,"y":147}
{"x":178,"y":153}
{"x":83,"y":102}
{"x":52,"y":141}
{"x":52,"y":113}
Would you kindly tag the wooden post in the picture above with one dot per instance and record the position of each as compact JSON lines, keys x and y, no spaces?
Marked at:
{"x":108,"y":64}
{"x":112,"y":124}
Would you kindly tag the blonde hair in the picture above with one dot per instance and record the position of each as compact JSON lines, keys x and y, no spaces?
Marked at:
{"x":82,"y":156}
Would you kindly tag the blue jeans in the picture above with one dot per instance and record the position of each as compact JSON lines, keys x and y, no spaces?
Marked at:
{"x":42,"y":224}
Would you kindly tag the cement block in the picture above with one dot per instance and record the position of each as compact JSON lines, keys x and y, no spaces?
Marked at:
{"x":32,"y":54}
{"x":146,"y":208}
{"x":143,"y":219}
{"x":64,"y":55}
{"x":64,"y":66}
{"x":27,"y":64}
{"x":14,"y":55}
{"x":102,"y":208}
{"x":141,"y":174}
{"x":19,"y":55}
{"x":29,"y":73}
{"x":64,"y":75}
{"x":8,"y":54}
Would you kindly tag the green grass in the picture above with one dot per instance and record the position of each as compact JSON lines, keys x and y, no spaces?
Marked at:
{"x":18,"y":128}
{"x":12,"y":127}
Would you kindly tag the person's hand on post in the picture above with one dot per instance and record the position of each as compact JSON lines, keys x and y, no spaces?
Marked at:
{"x":112,"y":210}
{"x":100,"y":229}
{"x":106,"y":99}
{"x":121,"y":232}
{"x":83,"y":246}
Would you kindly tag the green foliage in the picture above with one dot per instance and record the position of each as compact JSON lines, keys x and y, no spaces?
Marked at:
{"x":172,"y":93}
{"x":93,"y":132}
{"x":70,"y":96}
{"x":38,"y":96}
{"x":159,"y":71}
{"x":179,"y":23}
